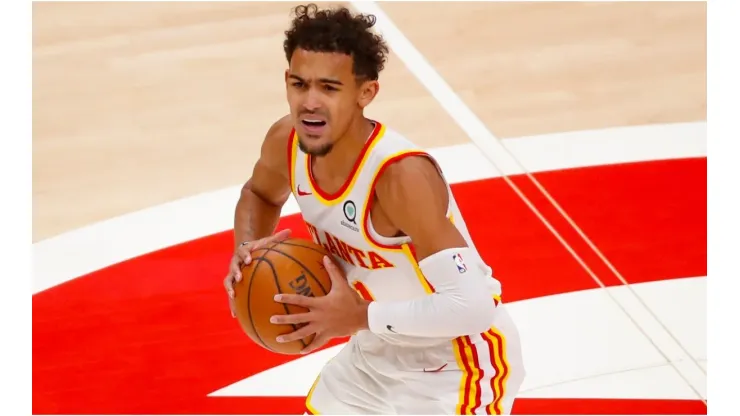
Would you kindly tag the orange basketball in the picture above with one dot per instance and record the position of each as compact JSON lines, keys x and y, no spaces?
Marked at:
{"x":291,"y":266}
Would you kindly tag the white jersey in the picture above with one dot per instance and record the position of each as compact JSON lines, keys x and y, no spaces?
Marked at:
{"x":379,"y":268}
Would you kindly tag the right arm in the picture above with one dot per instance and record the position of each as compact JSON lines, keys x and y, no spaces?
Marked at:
{"x":264,"y":194}
{"x":262,"y":198}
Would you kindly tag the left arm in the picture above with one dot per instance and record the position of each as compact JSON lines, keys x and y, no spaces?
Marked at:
{"x":413,"y":195}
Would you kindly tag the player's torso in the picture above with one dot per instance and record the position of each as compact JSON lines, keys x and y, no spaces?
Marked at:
{"x":378,"y":267}
{"x":341,"y":222}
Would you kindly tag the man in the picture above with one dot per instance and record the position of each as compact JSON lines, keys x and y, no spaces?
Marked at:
{"x":429,"y":333}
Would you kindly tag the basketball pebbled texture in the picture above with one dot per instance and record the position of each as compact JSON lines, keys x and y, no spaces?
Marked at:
{"x":291,"y":266}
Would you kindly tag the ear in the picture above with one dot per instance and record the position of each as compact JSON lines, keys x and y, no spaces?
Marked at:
{"x":368,"y":92}
{"x":286,"y":75}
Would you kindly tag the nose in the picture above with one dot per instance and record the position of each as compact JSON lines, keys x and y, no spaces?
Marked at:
{"x":312,"y":101}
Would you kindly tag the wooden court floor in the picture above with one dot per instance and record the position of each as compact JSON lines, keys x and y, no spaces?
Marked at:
{"x":137,"y":104}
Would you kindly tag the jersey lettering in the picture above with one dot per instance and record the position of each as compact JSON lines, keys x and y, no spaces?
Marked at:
{"x":367,"y":260}
{"x":363,"y":290}
{"x":377,"y":262}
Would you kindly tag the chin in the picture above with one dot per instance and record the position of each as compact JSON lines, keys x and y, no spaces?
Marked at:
{"x":315,"y":146}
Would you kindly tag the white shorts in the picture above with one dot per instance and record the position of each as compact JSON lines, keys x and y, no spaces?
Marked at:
{"x":479,"y":374}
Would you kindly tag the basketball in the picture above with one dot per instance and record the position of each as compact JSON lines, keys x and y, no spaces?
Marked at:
{"x":290,"y":266}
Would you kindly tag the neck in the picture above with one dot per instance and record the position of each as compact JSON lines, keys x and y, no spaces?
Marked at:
{"x":347,"y":149}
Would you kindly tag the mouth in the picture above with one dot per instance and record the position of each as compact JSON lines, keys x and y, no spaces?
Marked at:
{"x":313,"y":125}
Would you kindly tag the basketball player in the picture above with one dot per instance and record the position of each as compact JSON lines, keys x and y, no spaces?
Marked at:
{"x":429,"y":333}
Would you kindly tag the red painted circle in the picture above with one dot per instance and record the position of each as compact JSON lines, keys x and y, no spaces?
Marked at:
{"x":154,"y":335}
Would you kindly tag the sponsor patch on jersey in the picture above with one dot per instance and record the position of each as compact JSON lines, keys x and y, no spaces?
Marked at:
{"x":350,"y":213}
{"x":461,"y":267}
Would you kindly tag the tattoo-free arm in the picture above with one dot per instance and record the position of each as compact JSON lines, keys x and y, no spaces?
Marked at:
{"x":413,"y":195}
{"x":262,"y":197}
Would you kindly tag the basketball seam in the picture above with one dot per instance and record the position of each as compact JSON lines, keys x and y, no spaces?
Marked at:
{"x":249,"y":307}
{"x":302,"y":246}
{"x":318,"y":282}
{"x":277,"y":285}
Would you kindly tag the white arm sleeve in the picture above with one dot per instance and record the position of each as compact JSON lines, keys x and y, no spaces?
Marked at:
{"x":461,"y":305}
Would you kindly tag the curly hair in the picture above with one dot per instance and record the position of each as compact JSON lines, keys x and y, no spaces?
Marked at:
{"x":338,"y":30}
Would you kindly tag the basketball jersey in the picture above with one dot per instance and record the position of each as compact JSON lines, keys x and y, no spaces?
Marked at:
{"x":377,"y":267}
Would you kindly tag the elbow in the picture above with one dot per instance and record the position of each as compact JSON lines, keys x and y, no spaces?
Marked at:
{"x":269,"y":197}
{"x":477,"y":312}
{"x":247,"y":187}
{"x":483,"y":311}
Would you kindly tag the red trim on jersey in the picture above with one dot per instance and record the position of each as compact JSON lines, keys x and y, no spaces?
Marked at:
{"x":363,"y":154}
{"x":291,"y":167}
{"x":412,"y":249}
{"x":371,"y":199}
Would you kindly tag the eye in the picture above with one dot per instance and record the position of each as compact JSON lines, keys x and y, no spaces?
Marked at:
{"x":330,"y":88}
{"x":298,"y":84}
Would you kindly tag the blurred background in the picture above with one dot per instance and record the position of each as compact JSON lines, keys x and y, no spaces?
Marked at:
{"x":148,"y":117}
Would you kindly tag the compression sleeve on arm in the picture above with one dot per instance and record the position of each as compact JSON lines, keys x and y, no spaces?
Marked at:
{"x":461,"y":305}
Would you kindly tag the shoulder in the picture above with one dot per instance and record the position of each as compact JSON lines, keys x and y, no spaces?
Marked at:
{"x":274,"y":151}
{"x":402,"y":165}
{"x":409,"y":168}
{"x":415,"y":198}
{"x":391,"y":141}
{"x":412,"y":179}
{"x":392,"y":149}
{"x":279,"y":132}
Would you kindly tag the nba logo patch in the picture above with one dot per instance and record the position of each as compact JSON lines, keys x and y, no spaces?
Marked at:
{"x":461,"y":267}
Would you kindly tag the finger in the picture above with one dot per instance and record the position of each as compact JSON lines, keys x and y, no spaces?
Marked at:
{"x":296,"y":318}
{"x":296,"y":335}
{"x":335,"y":274}
{"x":232,"y":306}
{"x":299,"y":300}
{"x":319,"y":341}
{"x":245,"y":255}
{"x":229,"y":286}
{"x":262,"y":243}
{"x":236,"y":269}
{"x":281,"y":235}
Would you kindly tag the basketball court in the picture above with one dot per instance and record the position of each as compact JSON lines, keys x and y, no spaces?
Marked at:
{"x":574,"y":134}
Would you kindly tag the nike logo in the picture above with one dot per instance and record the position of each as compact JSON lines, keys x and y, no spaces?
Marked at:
{"x":303,"y":193}
{"x":390,"y":328}
{"x":434,"y":371}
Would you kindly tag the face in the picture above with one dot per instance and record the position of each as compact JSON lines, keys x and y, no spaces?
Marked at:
{"x":324,"y":98}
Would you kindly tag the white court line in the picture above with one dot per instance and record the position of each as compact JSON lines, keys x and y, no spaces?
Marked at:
{"x":502,"y":159}
{"x":633,"y":369}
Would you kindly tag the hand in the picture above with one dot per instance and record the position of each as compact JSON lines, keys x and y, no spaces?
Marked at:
{"x":243,"y":256}
{"x":341,"y":312}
